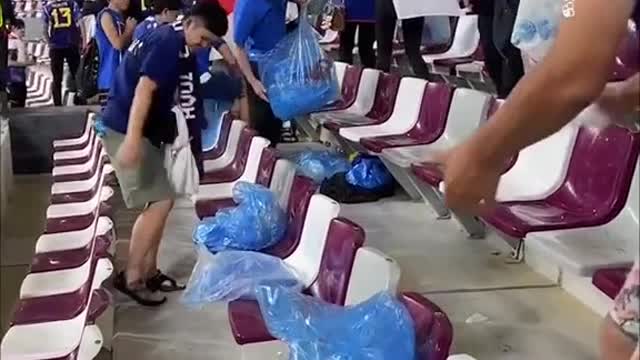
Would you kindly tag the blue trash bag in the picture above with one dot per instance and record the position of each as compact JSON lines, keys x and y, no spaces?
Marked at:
{"x":369,"y":172}
{"x":298,"y":75}
{"x":380,"y":328}
{"x":232,"y":275}
{"x":321,"y":165}
{"x":258,"y":222}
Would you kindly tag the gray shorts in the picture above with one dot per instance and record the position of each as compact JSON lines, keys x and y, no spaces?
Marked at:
{"x":146,"y":183}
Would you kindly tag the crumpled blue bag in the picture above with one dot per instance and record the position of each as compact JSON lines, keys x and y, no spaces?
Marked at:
{"x":380,"y":328}
{"x":298,"y":75}
{"x":258,"y":222}
{"x":320,"y":165}
{"x":232,"y":275}
{"x":369,"y":172}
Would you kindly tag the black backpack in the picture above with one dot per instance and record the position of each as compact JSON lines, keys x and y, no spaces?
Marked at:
{"x":87,"y":77}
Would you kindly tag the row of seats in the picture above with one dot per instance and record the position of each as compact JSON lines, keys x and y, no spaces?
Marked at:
{"x":573,"y":195}
{"x":326,"y":250}
{"x":61,"y":298}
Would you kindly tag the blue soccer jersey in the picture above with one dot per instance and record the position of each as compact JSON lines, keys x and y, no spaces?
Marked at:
{"x":144,"y":27}
{"x":61,"y":20}
{"x":163,"y":57}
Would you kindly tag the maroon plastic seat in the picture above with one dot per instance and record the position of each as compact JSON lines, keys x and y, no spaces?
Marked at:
{"x":610,"y":281}
{"x":97,"y":162}
{"x":93,"y":138}
{"x":234,"y":170}
{"x":628,"y":60}
{"x":79,"y":222}
{"x":429,"y":127}
{"x":79,"y":196}
{"x":209,"y":207}
{"x":343,"y":240}
{"x":434,"y":332}
{"x":594,"y":191}
{"x":349,"y":91}
{"x":383,"y":104}
{"x":69,"y":259}
{"x":223,"y":138}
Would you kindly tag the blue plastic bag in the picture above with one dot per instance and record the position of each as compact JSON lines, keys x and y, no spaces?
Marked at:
{"x":258,"y":222}
{"x":298,"y":75}
{"x":320,"y":165}
{"x":232,"y":275}
{"x":380,"y":328}
{"x":369,"y":172}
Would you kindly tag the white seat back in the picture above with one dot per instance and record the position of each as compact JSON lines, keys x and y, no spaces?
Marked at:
{"x":366,"y":94}
{"x":341,"y":68}
{"x":468,"y":110}
{"x":372,"y":272}
{"x":230,"y":149}
{"x":540,"y":169}
{"x":306,"y":258}
{"x":284,"y":172}
{"x":466,"y":40}
{"x":407,"y":107}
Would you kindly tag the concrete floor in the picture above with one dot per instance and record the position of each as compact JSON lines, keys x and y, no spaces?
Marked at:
{"x":500,"y":310}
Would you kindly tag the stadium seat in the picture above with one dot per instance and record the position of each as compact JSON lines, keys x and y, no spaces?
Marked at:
{"x":349,"y":86}
{"x":81,"y":171}
{"x":225,"y":150}
{"x":434,"y":332}
{"x":405,"y":114}
{"x":386,"y":92}
{"x":465,"y":41}
{"x":78,"y":143}
{"x":627,"y":60}
{"x":592,"y":193}
{"x":75,"y":157}
{"x":362,"y":101}
{"x":584,"y":250}
{"x":428,"y":127}
{"x":610,"y":281}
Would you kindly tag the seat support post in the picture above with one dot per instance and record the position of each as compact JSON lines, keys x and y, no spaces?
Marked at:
{"x":402,"y":177}
{"x":471,"y":224}
{"x":304,"y":124}
{"x":433,"y":197}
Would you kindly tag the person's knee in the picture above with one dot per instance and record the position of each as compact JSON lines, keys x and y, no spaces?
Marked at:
{"x":160,"y":208}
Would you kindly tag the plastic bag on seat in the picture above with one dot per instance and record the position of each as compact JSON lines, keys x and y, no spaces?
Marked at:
{"x":258,"y":222}
{"x":320,"y":165}
{"x":232,"y":275}
{"x":380,"y":328}
{"x":298,"y":75}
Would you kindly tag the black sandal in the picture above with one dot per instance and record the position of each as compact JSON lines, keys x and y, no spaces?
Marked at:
{"x":163,"y":283}
{"x":120,"y":283}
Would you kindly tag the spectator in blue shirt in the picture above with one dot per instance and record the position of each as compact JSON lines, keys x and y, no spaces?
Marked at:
{"x":113,"y":35}
{"x":258,"y":26}
{"x":62,"y":31}
{"x":360,"y":15}
{"x":164,"y":11}
{"x":139,"y":124}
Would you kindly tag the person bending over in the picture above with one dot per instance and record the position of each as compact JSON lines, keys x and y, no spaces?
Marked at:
{"x":165,"y":11}
{"x":139,"y":123}
{"x":113,"y":35}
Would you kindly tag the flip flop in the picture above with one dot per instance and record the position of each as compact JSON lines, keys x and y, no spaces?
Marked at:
{"x":163,"y":283}
{"x":138,"y":295}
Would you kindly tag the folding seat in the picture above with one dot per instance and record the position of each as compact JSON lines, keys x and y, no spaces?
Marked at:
{"x":466,"y":40}
{"x":253,"y":161}
{"x":405,"y":114}
{"x":434,"y":332}
{"x":586,"y":250}
{"x":76,"y":157}
{"x":356,"y":102}
{"x":82,"y":171}
{"x":627,"y":60}
{"x":220,"y":147}
{"x":386,"y":92}
{"x":77,"y":143}
{"x":56,"y":314}
{"x":427,"y":128}
{"x":468,"y":110}
{"x":232,"y":134}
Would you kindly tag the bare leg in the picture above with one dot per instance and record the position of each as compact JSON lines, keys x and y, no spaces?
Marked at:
{"x":145,"y":237}
{"x":151,"y":258}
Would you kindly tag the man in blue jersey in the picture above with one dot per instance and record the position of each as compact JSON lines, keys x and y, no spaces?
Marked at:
{"x":259,"y":25}
{"x":62,"y":31}
{"x":164,"y":11}
{"x":139,"y":124}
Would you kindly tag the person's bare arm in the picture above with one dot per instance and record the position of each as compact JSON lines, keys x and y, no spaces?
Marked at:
{"x":245,"y":68}
{"x":614,"y":344}
{"x":572,"y":76}
{"x":129,"y":153}
{"x":118,"y":41}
